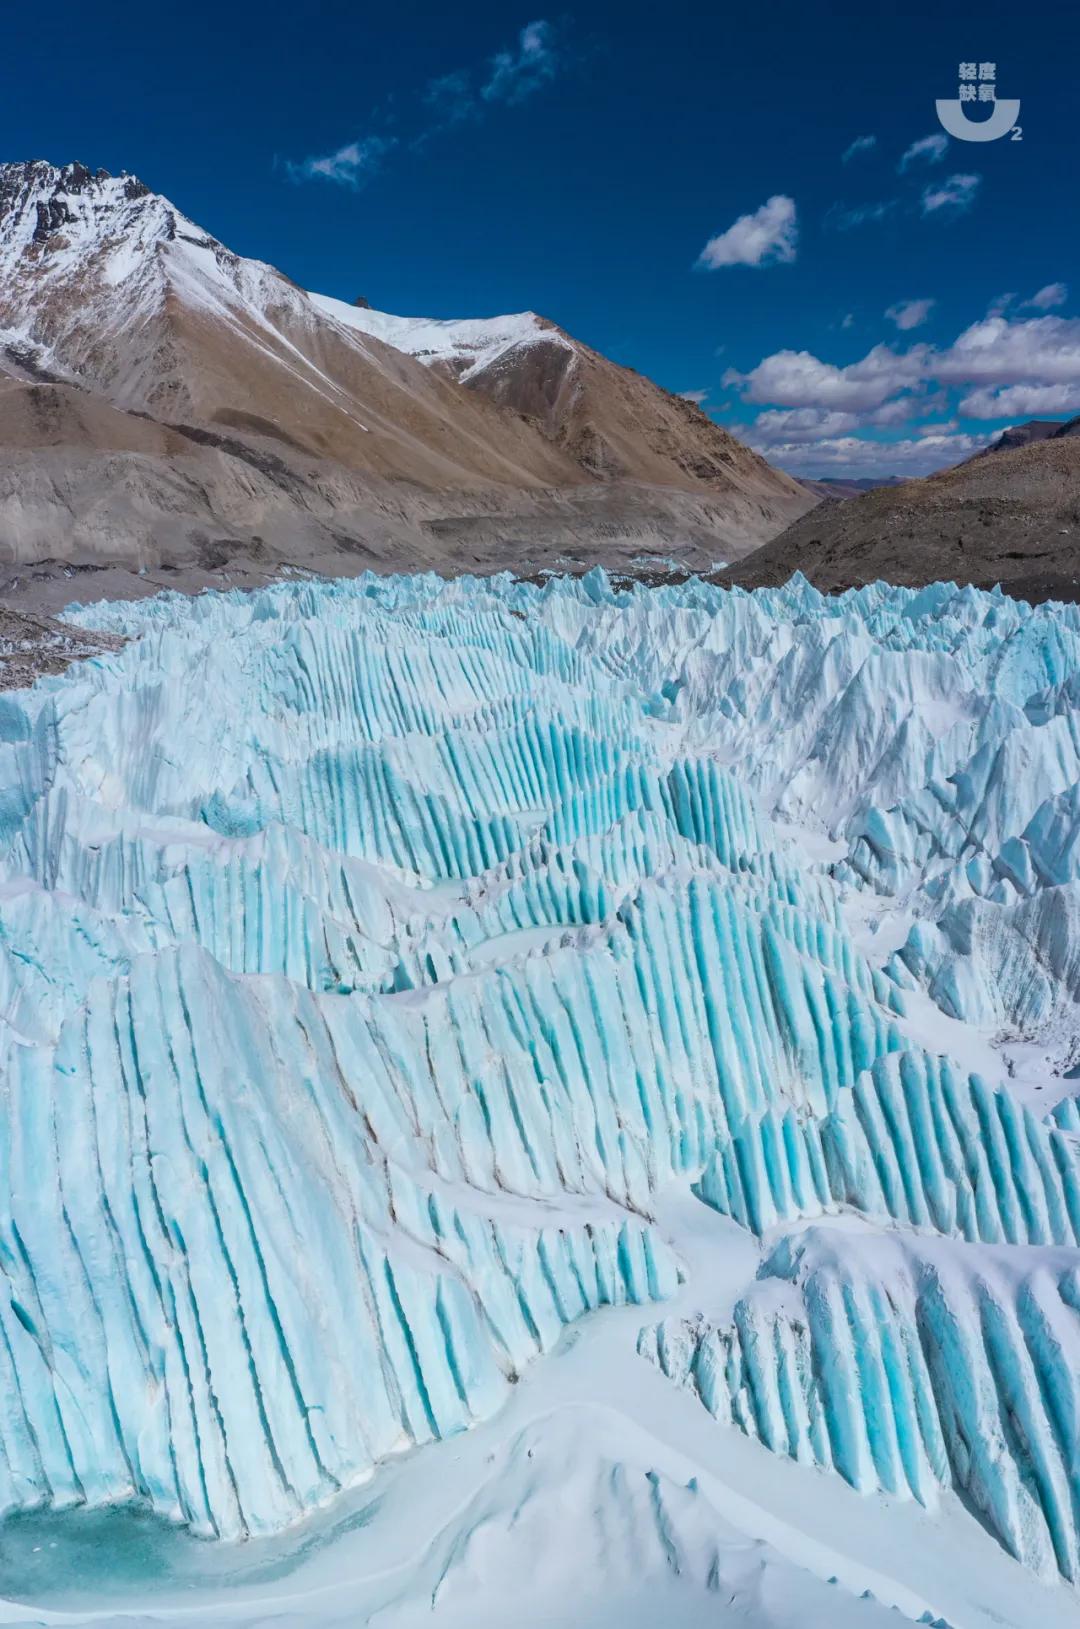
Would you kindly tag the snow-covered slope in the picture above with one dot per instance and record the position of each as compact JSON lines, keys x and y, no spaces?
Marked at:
{"x":391,"y":971}
{"x":466,"y":347}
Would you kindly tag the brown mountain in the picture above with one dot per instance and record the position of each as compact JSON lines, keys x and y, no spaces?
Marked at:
{"x":165,"y":403}
{"x":1022,"y":435}
{"x":836,"y":487}
{"x":1012,"y":520}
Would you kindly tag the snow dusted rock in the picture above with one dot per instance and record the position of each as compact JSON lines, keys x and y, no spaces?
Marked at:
{"x":373,"y":954}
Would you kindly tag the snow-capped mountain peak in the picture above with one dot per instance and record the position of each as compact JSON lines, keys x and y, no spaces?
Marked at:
{"x":56,"y":220}
{"x":107,"y":285}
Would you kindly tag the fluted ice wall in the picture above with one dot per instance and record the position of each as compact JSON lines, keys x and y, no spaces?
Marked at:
{"x":371,"y":954}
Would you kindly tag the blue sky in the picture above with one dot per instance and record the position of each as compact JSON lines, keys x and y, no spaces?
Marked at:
{"x":668,"y":183}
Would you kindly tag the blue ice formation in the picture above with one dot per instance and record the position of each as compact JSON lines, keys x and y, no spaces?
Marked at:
{"x":372,"y":953}
{"x":906,"y":1364}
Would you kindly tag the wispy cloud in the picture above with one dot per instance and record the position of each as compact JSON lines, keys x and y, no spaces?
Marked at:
{"x":351,"y":166}
{"x":451,"y":97}
{"x":518,"y":73}
{"x":909,"y":313}
{"x":767,"y":236}
{"x":695,"y":396}
{"x":953,"y":196}
{"x":927,"y":150}
{"x":1045,"y":299}
{"x":507,"y":78}
{"x":860,"y":146}
{"x":843,"y":219}
{"x":1054,"y":294}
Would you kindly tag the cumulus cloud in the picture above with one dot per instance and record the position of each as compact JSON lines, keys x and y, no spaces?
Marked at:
{"x":350,"y":166}
{"x":953,"y":196}
{"x":790,"y":424}
{"x":769,"y":235}
{"x":855,"y":456}
{"x":927,"y":150}
{"x":1047,"y":298}
{"x":1023,"y":401}
{"x":860,"y":146}
{"x":695,"y":396}
{"x":910,"y":313}
{"x":992,"y":355}
{"x":519,"y":72}
{"x":999,"y":368}
{"x":799,"y":379}
{"x":997,"y":352}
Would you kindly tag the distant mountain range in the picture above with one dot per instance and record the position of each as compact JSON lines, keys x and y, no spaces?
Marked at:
{"x":840,"y":488}
{"x":166,"y":405}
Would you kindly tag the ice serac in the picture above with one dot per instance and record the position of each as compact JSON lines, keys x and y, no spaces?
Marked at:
{"x":373,"y":954}
{"x":906,"y":1365}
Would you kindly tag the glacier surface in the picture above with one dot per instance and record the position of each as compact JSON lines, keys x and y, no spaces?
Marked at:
{"x":377,"y":958}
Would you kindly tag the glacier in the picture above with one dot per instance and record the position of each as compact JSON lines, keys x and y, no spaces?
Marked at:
{"x":377,"y":959}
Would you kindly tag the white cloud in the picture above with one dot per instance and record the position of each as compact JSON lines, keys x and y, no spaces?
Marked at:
{"x":855,"y":456}
{"x":799,"y":379}
{"x":928,"y":150}
{"x":1000,"y":304}
{"x":954,"y":195}
{"x":1001,"y":368}
{"x":997,"y":352}
{"x":910,"y":313}
{"x":849,"y":320}
{"x":517,"y":73}
{"x":769,"y":234}
{"x":1052,"y":295}
{"x":695,"y":396}
{"x":992,"y":355}
{"x":1023,"y":401}
{"x":811,"y":424}
{"x":861,"y":145}
{"x":351,"y":166}
{"x":786,"y":425}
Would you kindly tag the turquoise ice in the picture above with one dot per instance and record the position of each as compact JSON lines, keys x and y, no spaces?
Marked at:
{"x":373,"y":953}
